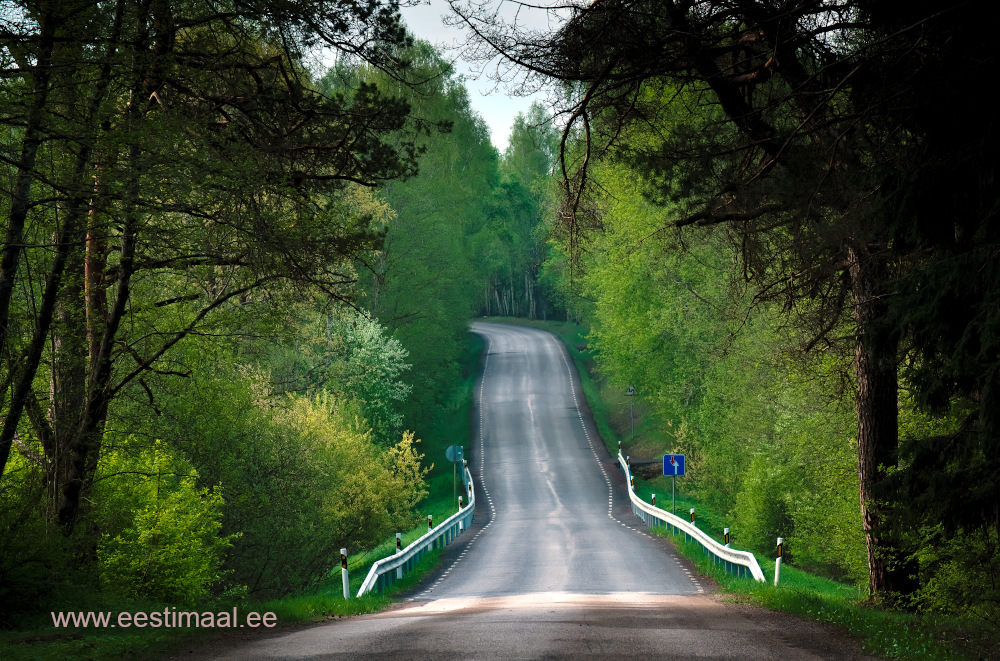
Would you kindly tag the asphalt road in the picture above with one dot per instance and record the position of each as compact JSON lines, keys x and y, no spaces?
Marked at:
{"x":555,"y":566}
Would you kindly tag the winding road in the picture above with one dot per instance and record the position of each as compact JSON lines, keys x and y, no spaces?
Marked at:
{"x":555,"y":566}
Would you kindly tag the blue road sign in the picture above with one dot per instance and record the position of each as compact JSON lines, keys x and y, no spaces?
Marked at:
{"x":673,"y":465}
{"x":454,"y":454}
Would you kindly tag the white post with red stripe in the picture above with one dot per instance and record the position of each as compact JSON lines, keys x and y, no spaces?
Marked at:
{"x":777,"y":562}
{"x":399,"y":549}
{"x":343,"y":573}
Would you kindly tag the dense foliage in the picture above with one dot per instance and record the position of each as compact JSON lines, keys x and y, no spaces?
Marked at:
{"x":188,"y":407}
{"x":230,"y":308}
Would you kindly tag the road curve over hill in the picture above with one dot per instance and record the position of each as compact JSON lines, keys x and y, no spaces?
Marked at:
{"x":555,"y":565}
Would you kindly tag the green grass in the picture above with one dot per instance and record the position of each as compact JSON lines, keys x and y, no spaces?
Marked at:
{"x":46,"y":642}
{"x":329,"y":603}
{"x":890,"y":634}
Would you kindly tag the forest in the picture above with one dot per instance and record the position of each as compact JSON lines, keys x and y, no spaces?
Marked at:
{"x":236,"y":279}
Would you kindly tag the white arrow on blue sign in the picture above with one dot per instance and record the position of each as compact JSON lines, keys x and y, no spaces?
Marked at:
{"x":673,"y":465}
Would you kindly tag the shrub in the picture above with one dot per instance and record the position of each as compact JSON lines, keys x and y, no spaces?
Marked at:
{"x":169,"y":548}
{"x":32,"y":559}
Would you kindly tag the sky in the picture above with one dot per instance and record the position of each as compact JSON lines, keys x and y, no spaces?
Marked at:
{"x":495,"y":106}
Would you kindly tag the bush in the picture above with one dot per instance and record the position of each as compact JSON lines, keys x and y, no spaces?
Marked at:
{"x":169,"y":548}
{"x":761,"y":511}
{"x":32,"y":558}
{"x":960,"y":574}
{"x":302,"y":475}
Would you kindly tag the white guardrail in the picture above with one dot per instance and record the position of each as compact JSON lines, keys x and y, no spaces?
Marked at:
{"x":741,"y":563}
{"x":386,"y":570}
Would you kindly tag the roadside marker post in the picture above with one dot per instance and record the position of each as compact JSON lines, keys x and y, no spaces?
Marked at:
{"x":399,"y":549}
{"x":630,"y":393}
{"x":692,"y":515}
{"x":726,"y":532}
{"x":461,"y":524}
{"x":343,"y":573}
{"x":777,"y":562}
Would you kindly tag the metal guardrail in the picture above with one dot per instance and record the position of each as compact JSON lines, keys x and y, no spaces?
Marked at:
{"x":741,"y":563}
{"x":384,"y":571}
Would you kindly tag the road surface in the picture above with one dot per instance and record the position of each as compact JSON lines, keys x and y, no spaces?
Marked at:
{"x":555,"y":565}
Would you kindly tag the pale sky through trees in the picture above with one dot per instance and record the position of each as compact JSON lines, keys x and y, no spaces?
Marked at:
{"x":487,"y":97}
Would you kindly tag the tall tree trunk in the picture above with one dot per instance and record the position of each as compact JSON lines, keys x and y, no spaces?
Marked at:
{"x":43,"y":323}
{"x":84,"y":450}
{"x":95,"y":263}
{"x":20,"y":201}
{"x":68,"y":380}
{"x":85,"y":446}
{"x":877,"y":408}
{"x":70,"y":241}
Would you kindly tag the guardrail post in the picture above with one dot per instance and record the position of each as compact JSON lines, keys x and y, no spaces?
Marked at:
{"x":399,"y":549}
{"x":343,"y":573}
{"x":777,"y":563}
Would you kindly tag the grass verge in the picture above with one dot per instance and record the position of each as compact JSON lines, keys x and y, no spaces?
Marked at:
{"x":887,"y":633}
{"x":108,"y":644}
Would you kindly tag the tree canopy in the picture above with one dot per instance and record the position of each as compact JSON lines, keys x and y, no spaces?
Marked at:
{"x":166,"y":160}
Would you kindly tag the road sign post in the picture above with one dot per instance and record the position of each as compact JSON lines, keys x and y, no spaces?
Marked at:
{"x":454,"y":454}
{"x":631,"y":393}
{"x":673,"y":465}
